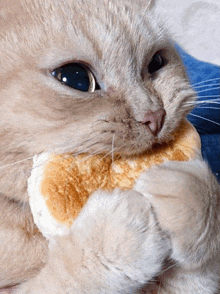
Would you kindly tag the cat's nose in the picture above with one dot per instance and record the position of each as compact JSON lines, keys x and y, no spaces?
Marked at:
{"x":154,"y":120}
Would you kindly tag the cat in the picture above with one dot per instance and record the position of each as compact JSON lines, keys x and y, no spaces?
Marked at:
{"x":132,"y":92}
{"x":178,"y":221}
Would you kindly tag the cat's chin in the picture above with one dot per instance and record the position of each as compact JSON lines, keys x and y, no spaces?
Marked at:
{"x":136,"y":149}
{"x":145,"y":145}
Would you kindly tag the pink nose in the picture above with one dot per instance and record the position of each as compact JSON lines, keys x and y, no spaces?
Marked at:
{"x":154,"y":120}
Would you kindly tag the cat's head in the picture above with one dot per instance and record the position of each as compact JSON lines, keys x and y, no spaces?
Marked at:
{"x":130,"y":91}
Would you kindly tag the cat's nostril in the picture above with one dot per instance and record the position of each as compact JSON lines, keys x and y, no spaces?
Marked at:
{"x":154,"y":120}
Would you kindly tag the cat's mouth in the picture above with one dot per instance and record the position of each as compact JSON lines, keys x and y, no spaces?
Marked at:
{"x":125,"y":138}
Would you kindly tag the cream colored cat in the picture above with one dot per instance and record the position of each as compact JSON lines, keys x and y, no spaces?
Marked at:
{"x":131,"y":92}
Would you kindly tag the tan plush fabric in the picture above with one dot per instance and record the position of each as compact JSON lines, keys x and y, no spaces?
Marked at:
{"x":69,"y":180}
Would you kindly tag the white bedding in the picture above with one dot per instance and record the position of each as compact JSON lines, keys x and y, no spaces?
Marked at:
{"x":195,"y":26}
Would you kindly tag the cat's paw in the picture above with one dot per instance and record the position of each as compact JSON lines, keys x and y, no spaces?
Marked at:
{"x":114,"y":246}
{"x":178,"y":191}
{"x":171,"y":178}
{"x":182,"y":195}
{"x":120,"y":228}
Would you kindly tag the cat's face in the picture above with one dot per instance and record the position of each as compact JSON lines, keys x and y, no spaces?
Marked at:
{"x":131,"y":70}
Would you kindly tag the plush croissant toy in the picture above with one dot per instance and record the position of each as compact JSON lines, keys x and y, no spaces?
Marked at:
{"x":60,"y":185}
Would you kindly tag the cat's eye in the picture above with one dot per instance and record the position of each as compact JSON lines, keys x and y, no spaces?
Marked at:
{"x":76,"y":76}
{"x":156,"y":63}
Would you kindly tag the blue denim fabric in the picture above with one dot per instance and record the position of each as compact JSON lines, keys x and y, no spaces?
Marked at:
{"x":198,"y":72}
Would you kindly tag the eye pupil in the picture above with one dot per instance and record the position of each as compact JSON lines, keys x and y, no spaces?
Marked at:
{"x":156,"y":63}
{"x":76,"y":76}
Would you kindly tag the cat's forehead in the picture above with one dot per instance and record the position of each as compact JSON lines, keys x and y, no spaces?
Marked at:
{"x":110,"y":15}
{"x":82,"y":28}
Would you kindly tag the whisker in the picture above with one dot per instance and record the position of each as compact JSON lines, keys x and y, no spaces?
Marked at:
{"x":210,"y":96}
{"x":86,"y":145}
{"x":118,"y":149}
{"x":207,"y":86}
{"x":84,"y":149}
{"x":203,"y":102}
{"x":76,"y":145}
{"x":204,"y":118}
{"x":208,"y":107}
{"x":90,"y":154}
{"x":168,"y":268}
{"x":110,"y":152}
{"x":17,"y":162}
{"x":39,"y":164}
{"x":214,"y":101}
{"x":113,"y":143}
{"x":147,"y":7}
{"x":206,"y":90}
{"x":202,"y":82}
